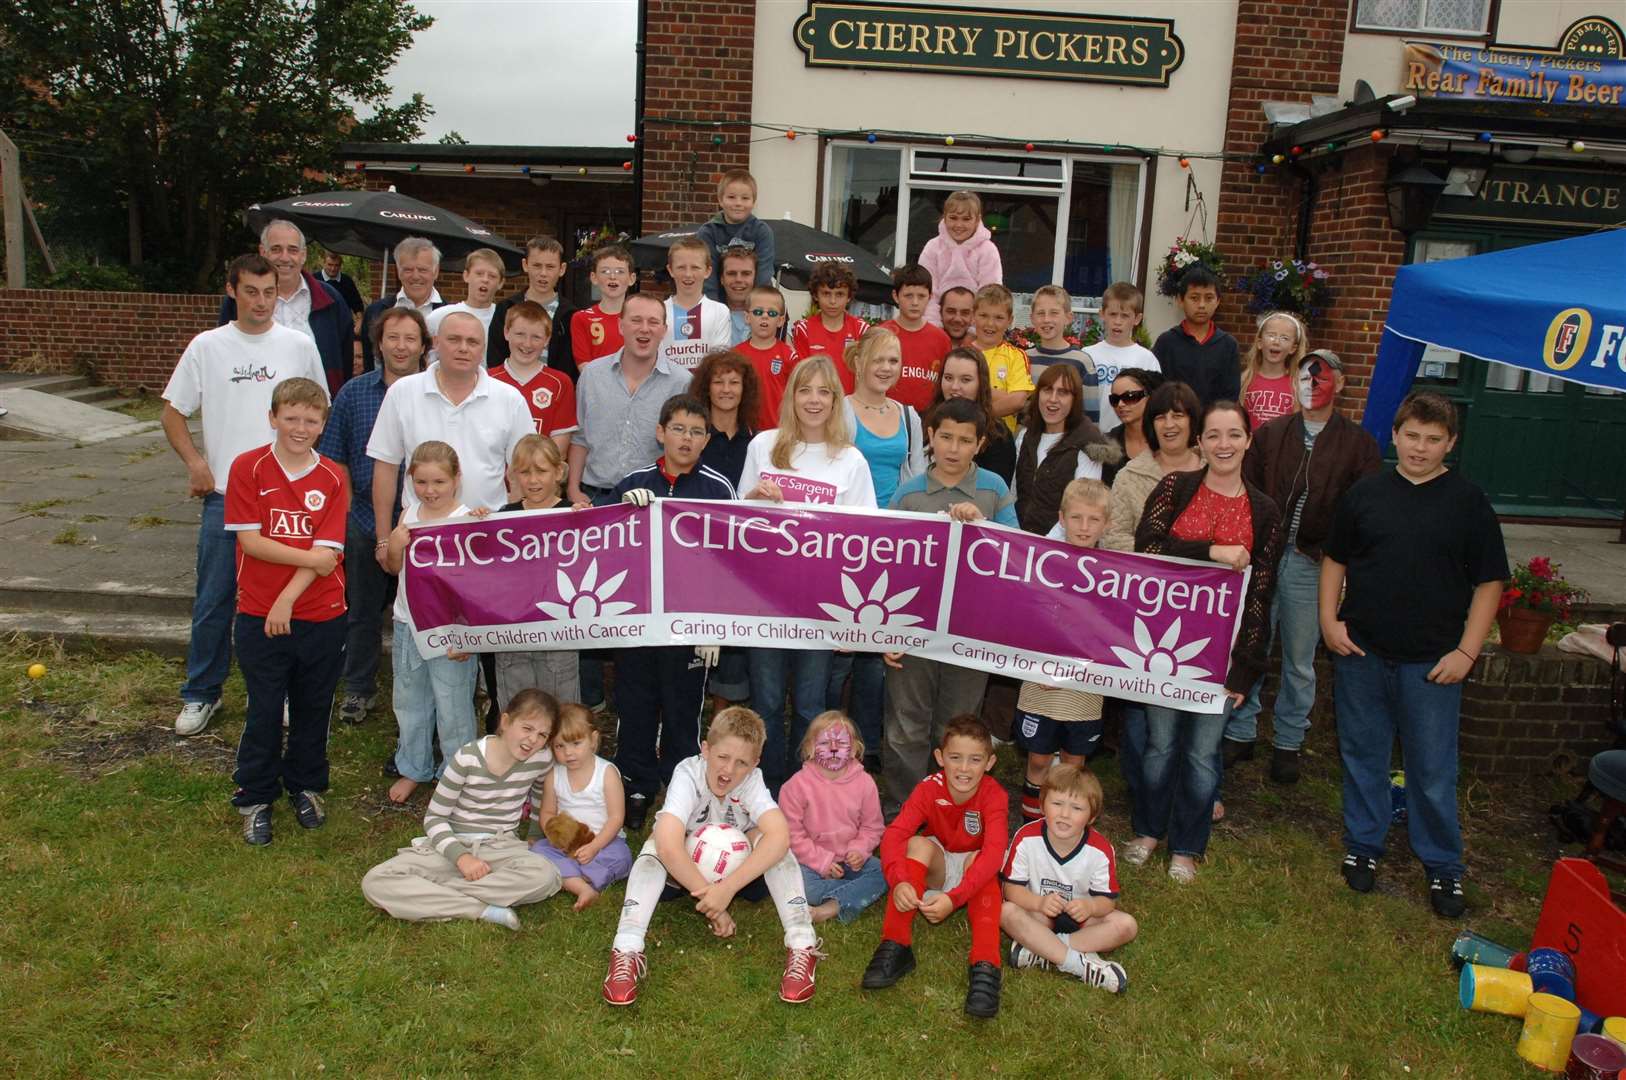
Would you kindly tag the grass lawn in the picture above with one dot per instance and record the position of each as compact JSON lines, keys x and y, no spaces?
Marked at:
{"x":142,"y":937}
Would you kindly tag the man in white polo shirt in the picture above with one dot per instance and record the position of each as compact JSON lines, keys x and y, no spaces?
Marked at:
{"x":456,"y":402}
{"x":229,"y":372}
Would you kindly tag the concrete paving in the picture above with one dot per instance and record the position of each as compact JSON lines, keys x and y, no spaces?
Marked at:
{"x":98,"y":542}
{"x":37,"y":414}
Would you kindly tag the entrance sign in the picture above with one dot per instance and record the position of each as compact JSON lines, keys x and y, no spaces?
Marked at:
{"x":989,"y":41}
{"x":1142,"y":627}
{"x":1524,"y":195}
{"x":1587,"y":67}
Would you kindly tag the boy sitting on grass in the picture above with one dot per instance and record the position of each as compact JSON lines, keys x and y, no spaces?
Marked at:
{"x":1061,"y":886}
{"x":720,"y":785}
{"x":953,"y":863}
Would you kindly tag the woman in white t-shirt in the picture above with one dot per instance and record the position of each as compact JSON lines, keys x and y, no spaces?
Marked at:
{"x":809,"y":458}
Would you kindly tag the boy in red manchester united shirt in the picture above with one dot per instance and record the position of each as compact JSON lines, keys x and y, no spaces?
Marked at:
{"x":954,"y":863}
{"x":287,"y":504}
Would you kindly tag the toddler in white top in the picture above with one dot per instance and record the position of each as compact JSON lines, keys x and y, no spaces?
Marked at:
{"x":588,"y":789}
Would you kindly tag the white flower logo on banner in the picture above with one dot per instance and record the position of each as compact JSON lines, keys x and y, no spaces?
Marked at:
{"x":1166,"y":657}
{"x":588,"y":598}
{"x":876,"y":609}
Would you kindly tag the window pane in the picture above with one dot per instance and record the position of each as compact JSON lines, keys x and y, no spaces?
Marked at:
{"x":1388,"y":14}
{"x":863,"y":198}
{"x":949,"y":166}
{"x":1102,"y":229}
{"x":1462,"y":16}
{"x":1466,"y":15}
{"x":1503,"y":377}
{"x":1024,"y":228}
{"x":1444,"y":365}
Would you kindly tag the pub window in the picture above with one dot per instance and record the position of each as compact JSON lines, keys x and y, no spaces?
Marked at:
{"x":1069,"y":219}
{"x":1429,"y":16}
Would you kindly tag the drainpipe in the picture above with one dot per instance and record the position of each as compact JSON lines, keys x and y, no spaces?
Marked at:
{"x":1308,"y":189}
{"x":638,"y":122}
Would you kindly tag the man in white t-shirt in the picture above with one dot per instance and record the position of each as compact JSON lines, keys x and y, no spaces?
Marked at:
{"x":229,"y":372}
{"x":457,"y":402}
{"x":1120,"y":314}
{"x":720,"y":786}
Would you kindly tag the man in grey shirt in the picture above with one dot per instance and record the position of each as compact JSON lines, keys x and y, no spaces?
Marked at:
{"x":618,"y":403}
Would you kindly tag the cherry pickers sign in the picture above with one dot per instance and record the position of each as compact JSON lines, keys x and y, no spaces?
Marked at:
{"x":989,"y":41}
{"x":679,"y":572}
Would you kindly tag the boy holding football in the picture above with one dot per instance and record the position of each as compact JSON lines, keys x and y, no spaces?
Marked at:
{"x":720,"y":785}
{"x":953,"y":863}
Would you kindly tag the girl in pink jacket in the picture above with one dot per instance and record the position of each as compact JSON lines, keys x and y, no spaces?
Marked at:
{"x":962,"y":254}
{"x":834,"y":812}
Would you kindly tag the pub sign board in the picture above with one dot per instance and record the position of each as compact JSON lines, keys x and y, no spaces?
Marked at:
{"x":933,"y":38}
{"x":1526,"y":195}
{"x":1586,"y":67}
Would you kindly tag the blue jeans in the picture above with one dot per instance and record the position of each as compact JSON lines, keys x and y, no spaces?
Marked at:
{"x":868,"y":673}
{"x":1296,"y":622}
{"x":1179,"y":774}
{"x":852,"y":893}
{"x":208,"y":656}
{"x":431,"y":697}
{"x":1131,"y":743}
{"x":806,"y":672}
{"x":1376,"y":699}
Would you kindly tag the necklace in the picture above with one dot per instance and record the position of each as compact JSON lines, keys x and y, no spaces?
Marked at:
{"x":884,"y":406}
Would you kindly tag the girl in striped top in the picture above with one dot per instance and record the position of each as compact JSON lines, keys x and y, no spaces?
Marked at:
{"x":471,"y":863}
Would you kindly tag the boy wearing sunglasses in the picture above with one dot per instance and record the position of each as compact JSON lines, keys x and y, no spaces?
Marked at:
{"x":1121,"y":306}
{"x":768,"y":353}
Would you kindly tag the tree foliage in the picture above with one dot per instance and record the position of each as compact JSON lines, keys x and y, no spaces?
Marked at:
{"x":147,"y":125}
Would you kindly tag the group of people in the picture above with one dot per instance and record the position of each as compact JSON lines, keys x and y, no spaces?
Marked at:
{"x":489,"y":406}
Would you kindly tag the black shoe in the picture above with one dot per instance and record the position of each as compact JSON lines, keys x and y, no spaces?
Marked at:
{"x":890,"y":963}
{"x":1445,"y":894}
{"x":1234,"y":750}
{"x":308,"y":809}
{"x":982,"y":995}
{"x":637,"y":812}
{"x":1284,"y":766}
{"x":1360,"y":872}
{"x":257,"y":825}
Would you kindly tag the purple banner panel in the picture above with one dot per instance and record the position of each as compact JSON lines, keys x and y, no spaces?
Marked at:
{"x":551,"y":579}
{"x":799,"y":577}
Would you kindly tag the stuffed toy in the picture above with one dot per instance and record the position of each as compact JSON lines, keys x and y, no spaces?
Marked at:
{"x":566,"y":833}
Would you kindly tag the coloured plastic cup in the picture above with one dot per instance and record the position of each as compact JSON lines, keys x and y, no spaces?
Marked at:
{"x":1471,"y":948}
{"x":1591,"y":1022}
{"x":1551,"y":972}
{"x":1492,"y":989}
{"x":1593,"y":1057}
{"x":1549,"y":1029}
{"x":1614,"y":1027}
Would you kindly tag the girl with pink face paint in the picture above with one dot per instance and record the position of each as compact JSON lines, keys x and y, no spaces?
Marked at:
{"x":833,"y":809}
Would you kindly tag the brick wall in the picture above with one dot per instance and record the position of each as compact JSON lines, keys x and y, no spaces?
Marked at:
{"x":126,"y":340}
{"x":1536,"y":716}
{"x":1289,"y":52}
{"x":697,"y":67}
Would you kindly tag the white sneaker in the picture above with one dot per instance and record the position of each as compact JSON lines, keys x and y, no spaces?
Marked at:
{"x":195,"y":716}
{"x":1108,"y":975}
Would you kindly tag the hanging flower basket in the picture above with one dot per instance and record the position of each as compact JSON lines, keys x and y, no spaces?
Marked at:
{"x":1181,"y":256}
{"x":1286,"y":285}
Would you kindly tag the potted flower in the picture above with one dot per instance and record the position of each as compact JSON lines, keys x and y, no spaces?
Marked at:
{"x":1286,"y":285}
{"x":1183,"y":254}
{"x":1534,"y":599}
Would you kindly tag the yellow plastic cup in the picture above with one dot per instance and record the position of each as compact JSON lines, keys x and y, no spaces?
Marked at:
{"x":1615,"y":1028}
{"x":1549,"y":1028}
{"x":1492,"y":989}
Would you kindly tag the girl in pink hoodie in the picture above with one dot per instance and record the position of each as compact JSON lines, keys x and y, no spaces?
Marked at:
{"x":834,"y":812}
{"x":962,"y":254}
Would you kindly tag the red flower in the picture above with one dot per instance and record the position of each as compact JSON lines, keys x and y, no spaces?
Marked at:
{"x":1541,"y":567}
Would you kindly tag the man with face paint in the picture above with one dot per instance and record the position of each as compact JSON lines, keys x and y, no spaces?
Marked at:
{"x":1305,"y":461}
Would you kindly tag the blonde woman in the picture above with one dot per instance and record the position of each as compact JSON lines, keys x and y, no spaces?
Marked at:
{"x":809,"y":458}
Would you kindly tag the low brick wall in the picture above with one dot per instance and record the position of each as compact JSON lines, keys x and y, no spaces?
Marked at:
{"x":130,"y":341}
{"x":1536,"y":715}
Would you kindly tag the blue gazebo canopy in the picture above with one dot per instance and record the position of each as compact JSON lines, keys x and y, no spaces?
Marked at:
{"x":1557,"y":308}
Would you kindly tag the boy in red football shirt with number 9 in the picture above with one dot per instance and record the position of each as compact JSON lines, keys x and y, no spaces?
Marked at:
{"x":953,"y":863}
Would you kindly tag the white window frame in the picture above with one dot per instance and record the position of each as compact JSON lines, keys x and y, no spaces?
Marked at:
{"x":1062,"y":189}
{"x":1420,"y":26}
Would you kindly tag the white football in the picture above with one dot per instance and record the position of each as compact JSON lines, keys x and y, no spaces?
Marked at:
{"x":718,"y":850}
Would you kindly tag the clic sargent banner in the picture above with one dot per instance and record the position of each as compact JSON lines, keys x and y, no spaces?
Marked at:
{"x":682,"y":572}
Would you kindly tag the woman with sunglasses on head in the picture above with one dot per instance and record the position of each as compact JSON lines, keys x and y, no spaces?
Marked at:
{"x":1126,"y":398}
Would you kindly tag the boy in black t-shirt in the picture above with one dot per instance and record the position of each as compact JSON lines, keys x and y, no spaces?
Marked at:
{"x":1418,"y":554}
{"x":1197,"y":352}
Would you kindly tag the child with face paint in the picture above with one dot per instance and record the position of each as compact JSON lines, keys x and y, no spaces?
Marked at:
{"x":833,"y":809}
{"x":1270,"y":372}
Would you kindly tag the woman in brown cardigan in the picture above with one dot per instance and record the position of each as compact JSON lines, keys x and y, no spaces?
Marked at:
{"x":1210,"y":514}
{"x":1057,"y":445}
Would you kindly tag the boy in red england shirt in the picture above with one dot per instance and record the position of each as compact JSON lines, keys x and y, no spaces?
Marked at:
{"x":596,"y":331}
{"x":953,"y":863}
{"x":924,"y":345}
{"x":833,"y":328}
{"x":771,"y":357}
{"x":547,"y":392}
{"x":287,"y":504}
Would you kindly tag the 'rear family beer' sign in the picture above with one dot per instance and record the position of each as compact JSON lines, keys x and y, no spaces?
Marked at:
{"x":1587,"y":67}
{"x":989,"y":41}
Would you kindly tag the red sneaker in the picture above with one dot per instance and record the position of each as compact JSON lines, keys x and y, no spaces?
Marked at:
{"x":621,"y":984}
{"x":800,"y":966}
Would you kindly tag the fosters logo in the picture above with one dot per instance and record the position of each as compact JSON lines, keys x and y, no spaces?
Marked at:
{"x":1568,"y":336}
